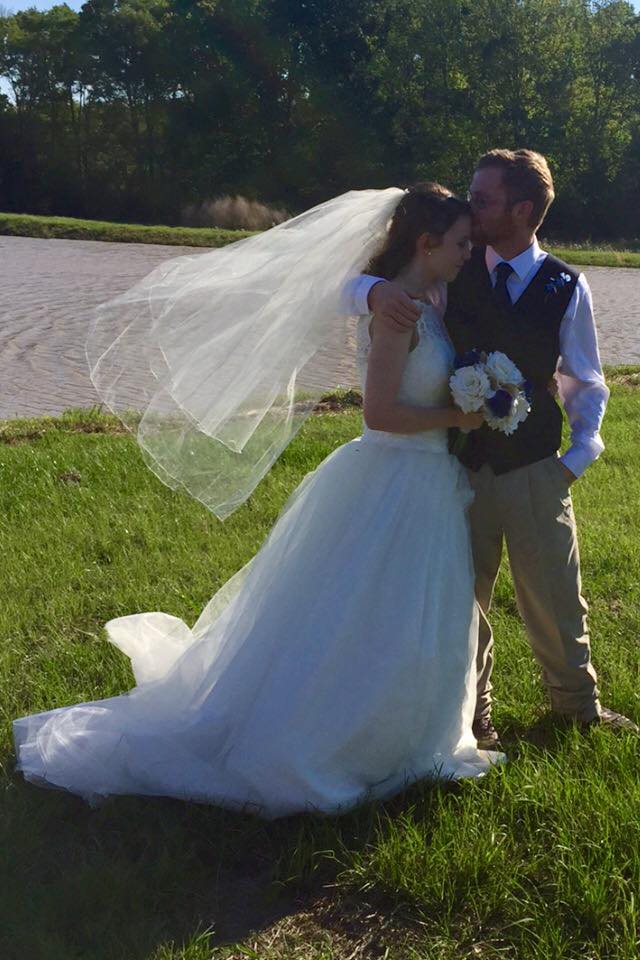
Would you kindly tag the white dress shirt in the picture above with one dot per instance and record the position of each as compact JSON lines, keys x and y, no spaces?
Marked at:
{"x":581,"y":383}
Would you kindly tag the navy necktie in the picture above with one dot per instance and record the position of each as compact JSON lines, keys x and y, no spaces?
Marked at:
{"x":500,"y":291}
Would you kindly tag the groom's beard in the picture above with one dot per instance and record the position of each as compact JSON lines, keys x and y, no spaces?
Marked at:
{"x":478,"y":236}
{"x":484,"y":238}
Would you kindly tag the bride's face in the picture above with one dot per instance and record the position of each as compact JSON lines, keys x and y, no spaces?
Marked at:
{"x":445,"y":261}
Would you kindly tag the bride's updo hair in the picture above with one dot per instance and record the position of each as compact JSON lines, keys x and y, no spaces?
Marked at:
{"x":425,"y":208}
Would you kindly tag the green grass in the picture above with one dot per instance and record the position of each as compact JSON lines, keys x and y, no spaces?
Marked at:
{"x":539,"y":860}
{"x":26,"y":225}
{"x":587,"y":255}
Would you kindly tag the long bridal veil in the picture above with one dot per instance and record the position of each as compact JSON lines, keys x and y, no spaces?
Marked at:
{"x":334,"y":666}
{"x":216,"y":359}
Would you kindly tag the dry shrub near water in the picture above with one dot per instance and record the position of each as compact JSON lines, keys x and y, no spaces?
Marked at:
{"x":233,"y":213}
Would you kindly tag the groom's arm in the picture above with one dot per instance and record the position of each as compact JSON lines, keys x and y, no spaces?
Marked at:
{"x":384,"y":298}
{"x":581,"y":384}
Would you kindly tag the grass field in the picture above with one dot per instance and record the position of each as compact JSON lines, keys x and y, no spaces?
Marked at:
{"x":25,"y":225}
{"x":595,"y":256}
{"x":539,"y":860}
{"x":69,"y":228}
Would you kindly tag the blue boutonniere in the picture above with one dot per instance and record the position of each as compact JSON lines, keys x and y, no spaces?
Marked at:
{"x":554,"y":284}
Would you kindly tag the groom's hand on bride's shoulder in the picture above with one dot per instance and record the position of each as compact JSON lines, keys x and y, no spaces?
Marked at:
{"x":389,"y":303}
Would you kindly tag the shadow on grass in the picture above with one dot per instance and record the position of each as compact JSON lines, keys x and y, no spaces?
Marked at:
{"x":549,"y":733}
{"x":122,"y":880}
{"x":136,"y":873}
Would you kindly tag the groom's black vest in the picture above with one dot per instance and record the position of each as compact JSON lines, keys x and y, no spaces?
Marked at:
{"x":528,"y":332}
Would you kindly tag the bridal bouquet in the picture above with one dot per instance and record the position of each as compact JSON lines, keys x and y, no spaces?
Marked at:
{"x":491,"y":382}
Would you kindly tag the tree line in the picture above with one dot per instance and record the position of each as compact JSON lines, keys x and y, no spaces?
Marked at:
{"x":134,"y":110}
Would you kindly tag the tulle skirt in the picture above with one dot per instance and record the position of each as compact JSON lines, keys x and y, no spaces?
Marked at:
{"x":337,"y":666}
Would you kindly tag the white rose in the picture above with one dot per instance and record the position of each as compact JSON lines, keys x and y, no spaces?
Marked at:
{"x":502,"y":370}
{"x":469,"y":387}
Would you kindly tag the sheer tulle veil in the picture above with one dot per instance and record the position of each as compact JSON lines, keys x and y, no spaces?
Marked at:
{"x":216,"y":359}
{"x":286,"y":696}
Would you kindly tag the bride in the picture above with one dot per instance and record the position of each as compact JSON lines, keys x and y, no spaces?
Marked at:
{"x":338,"y":665}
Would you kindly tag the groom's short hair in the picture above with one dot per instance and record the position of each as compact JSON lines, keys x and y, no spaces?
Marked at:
{"x":526,"y":176}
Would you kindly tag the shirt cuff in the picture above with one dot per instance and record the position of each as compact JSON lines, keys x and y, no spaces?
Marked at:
{"x":360,"y":290}
{"x":582,"y":454}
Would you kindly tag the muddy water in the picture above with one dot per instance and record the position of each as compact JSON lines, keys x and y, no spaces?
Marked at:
{"x":48,"y":289}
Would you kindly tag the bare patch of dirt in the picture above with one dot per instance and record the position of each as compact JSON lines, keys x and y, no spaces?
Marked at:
{"x":71,"y":476}
{"x":625,"y":379}
{"x":14,"y":434}
{"x":345,"y":929}
{"x":338,"y":402}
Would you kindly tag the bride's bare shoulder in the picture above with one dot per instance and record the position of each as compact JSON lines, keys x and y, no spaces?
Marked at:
{"x":390,"y":338}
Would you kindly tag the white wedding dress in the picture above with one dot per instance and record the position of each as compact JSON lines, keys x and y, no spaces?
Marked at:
{"x":337,"y":666}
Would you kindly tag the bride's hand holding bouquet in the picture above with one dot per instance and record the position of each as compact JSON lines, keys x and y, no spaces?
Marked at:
{"x":492,"y":386}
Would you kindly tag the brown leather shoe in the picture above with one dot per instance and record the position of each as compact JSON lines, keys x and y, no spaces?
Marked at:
{"x":486,"y":734}
{"x":611,"y":720}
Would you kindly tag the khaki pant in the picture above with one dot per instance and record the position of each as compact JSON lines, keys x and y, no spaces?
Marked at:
{"x":531,"y":509}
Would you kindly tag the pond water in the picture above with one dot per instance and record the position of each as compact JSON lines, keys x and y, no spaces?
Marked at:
{"x":49,"y":288}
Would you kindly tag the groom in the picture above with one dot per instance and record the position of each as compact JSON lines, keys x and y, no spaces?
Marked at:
{"x":512,"y":297}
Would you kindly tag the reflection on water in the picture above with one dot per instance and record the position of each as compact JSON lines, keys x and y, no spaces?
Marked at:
{"x":48,"y":289}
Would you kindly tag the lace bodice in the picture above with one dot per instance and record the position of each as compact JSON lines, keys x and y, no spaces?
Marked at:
{"x":425,"y":381}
